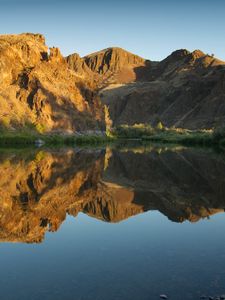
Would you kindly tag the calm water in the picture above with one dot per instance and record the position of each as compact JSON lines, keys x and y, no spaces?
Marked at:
{"x":128,"y":223}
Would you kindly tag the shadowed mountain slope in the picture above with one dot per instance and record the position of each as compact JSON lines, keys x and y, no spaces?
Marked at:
{"x":184,"y":90}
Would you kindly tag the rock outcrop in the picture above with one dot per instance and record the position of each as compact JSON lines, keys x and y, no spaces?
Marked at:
{"x":37,"y":88}
{"x":78,"y":64}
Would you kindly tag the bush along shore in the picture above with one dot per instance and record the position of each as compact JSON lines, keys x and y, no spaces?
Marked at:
{"x":161,"y":134}
{"x":142,"y":132}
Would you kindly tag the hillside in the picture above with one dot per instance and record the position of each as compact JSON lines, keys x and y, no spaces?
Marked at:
{"x":187,"y":89}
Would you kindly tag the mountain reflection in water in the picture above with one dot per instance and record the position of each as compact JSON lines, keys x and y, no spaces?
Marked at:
{"x":38,"y":190}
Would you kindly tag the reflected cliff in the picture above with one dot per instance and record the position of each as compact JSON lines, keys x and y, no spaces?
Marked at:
{"x":39,"y":189}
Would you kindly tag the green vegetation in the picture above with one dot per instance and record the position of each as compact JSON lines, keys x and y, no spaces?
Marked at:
{"x":40,"y":128}
{"x":136,"y":131}
{"x":140,"y":132}
{"x":203,"y":138}
{"x":161,"y":134}
{"x":5,"y":122}
{"x":25,"y":138}
{"x":160,"y":126}
{"x":10,"y":138}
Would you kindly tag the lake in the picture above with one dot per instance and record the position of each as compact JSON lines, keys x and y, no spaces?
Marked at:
{"x":112,"y":223}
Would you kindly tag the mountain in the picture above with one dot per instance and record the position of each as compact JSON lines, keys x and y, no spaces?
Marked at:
{"x":39,"y":90}
{"x":187,"y":90}
{"x":42,"y":90}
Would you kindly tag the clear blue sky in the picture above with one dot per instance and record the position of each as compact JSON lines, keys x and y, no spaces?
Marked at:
{"x":152,"y":29}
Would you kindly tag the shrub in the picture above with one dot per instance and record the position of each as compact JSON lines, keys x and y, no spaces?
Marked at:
{"x":134,"y":131}
{"x":40,"y":156}
{"x":159,"y":126}
{"x":5,"y":121}
{"x":40,"y":128}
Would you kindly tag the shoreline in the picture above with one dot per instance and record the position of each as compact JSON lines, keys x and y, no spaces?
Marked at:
{"x":35,"y":139}
{"x":185,"y":138}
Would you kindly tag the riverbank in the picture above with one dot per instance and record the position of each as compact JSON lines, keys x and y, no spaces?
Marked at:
{"x":140,"y":132}
{"x":191,"y":138}
{"x":180,"y":136}
{"x":30,"y":138}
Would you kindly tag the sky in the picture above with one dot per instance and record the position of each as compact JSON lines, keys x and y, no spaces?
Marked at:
{"x":151,"y":29}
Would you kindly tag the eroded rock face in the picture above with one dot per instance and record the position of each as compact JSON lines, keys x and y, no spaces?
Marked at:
{"x":111,"y":65}
{"x":78,"y":64}
{"x":184,"y":90}
{"x":112,"y":59}
{"x":38,"y":89}
{"x":38,"y":190}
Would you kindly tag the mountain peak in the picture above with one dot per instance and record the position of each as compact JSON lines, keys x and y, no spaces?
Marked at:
{"x":112,"y":59}
{"x":180,"y":53}
{"x":198,"y":53}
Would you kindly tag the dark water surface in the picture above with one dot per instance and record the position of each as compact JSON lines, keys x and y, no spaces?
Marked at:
{"x":112,"y":224}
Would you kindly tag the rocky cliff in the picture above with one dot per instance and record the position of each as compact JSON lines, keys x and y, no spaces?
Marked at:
{"x":39,"y":90}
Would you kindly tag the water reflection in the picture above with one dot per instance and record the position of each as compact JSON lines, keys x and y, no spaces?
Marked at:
{"x":39,"y":189}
